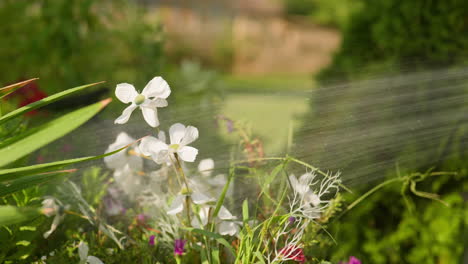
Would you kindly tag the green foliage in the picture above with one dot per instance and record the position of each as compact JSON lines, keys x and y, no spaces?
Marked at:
{"x":336,"y":13}
{"x":406,"y":34}
{"x":77,"y":41}
{"x":385,"y":229}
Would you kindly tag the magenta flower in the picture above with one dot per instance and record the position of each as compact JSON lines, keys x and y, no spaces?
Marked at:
{"x":352,"y":260}
{"x":151,"y":240}
{"x":179,"y":247}
{"x":291,"y":220}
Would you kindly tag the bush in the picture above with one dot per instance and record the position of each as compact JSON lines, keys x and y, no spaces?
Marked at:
{"x":419,"y":33}
{"x":72,"y":42}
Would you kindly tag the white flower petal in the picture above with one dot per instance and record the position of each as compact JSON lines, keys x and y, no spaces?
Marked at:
{"x":162,"y":136}
{"x":312,"y":198}
{"x":158,"y":88}
{"x":150,"y":115}
{"x":125,"y":92}
{"x":199,"y":198}
{"x":224,"y":214}
{"x":135,"y":162}
{"x":191,"y":134}
{"x":188,"y":154}
{"x":176,"y":133}
{"x":177,"y":205}
{"x":159,"y":102}
{"x":205,"y":167}
{"x":127,"y":112}
{"x":228,"y":228}
{"x":83,"y":250}
{"x":151,"y":145}
{"x":94,"y":260}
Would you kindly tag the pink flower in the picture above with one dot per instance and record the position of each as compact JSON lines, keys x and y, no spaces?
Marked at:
{"x":151,"y":240}
{"x":293,"y":253}
{"x":179,"y":245}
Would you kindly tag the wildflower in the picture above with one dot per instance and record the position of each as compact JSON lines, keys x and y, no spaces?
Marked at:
{"x":179,"y":245}
{"x":311,"y":203}
{"x":122,"y":158}
{"x":177,"y":205}
{"x":291,"y":220}
{"x":208,"y":184}
{"x":352,"y":260}
{"x":225,"y":221}
{"x":180,"y":137}
{"x":302,"y":186}
{"x":83,"y":253}
{"x":129,"y":181}
{"x":292,"y":253}
{"x":50,"y":207}
{"x":153,"y":96}
{"x":205,"y":167}
{"x":151,"y":240}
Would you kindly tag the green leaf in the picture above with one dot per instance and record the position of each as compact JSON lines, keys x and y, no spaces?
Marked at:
{"x":43,"y":102}
{"x":219,"y":238}
{"x":11,"y":88}
{"x":49,"y":132}
{"x":245,"y":210}
{"x":12,"y":215}
{"x":14,"y":173}
{"x":30,"y":181}
{"x":259,"y":257}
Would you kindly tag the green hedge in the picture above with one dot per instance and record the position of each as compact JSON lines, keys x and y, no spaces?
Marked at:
{"x":409,"y":34}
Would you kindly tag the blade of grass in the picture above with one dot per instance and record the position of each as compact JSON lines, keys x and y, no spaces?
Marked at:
{"x":5,"y":91}
{"x":49,"y":132}
{"x":8,"y":174}
{"x":30,"y":181}
{"x":44,"y":102}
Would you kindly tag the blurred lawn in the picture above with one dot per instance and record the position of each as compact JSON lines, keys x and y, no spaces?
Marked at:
{"x":269,"y":83}
{"x":268,"y":105}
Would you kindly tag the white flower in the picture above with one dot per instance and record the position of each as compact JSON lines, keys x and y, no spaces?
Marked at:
{"x":205,"y":167}
{"x":207,"y":184}
{"x":153,"y":96}
{"x":129,"y":181}
{"x":180,"y":137}
{"x":302,"y":187}
{"x":53,"y":207}
{"x":84,"y":258}
{"x":180,"y":201}
{"x":122,"y":158}
{"x":309,"y":203}
{"x":225,"y":221}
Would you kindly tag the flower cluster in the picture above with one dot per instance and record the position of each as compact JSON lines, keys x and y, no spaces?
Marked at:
{"x":171,"y":187}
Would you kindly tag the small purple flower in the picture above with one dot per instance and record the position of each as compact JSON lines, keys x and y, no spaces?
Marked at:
{"x":354,"y":260}
{"x":179,"y":245}
{"x":291,"y":220}
{"x":151,"y":240}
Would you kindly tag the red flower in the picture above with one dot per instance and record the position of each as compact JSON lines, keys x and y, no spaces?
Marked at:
{"x":30,"y":93}
{"x":294,"y":253}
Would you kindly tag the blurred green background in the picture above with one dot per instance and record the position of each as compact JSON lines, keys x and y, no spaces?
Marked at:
{"x":263,"y":62}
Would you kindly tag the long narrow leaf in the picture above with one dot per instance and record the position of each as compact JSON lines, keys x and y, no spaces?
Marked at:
{"x":49,"y":132}
{"x":14,"y":173}
{"x":13,"y":87}
{"x":12,"y":215}
{"x":30,"y":181}
{"x":44,"y":102}
{"x":219,"y":238}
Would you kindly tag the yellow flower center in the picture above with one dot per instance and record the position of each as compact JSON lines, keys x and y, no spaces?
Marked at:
{"x":139,"y":99}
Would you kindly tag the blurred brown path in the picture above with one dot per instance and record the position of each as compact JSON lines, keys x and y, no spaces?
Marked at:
{"x":251,"y":36}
